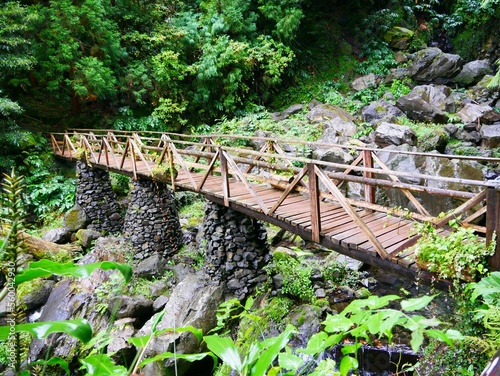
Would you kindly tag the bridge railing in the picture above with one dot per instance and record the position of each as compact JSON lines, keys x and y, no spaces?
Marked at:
{"x":285,"y":164}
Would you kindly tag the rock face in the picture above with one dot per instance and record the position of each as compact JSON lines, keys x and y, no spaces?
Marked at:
{"x":95,"y":196}
{"x":379,"y":111}
{"x":236,"y":249}
{"x":393,"y":134}
{"x":152,"y":222}
{"x":472,"y":113}
{"x":427,"y":103}
{"x":433,"y":65}
{"x":491,"y":135}
{"x":193,"y":302}
{"x":473,"y":72}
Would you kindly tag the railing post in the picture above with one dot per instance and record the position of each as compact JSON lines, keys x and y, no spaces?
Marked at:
{"x":225,"y":177}
{"x":493,"y":223}
{"x":314,"y":203}
{"x":369,"y":189}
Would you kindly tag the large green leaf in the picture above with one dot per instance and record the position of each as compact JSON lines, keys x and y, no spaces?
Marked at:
{"x":272,"y":348}
{"x":54,"y":361}
{"x":225,"y":349}
{"x":170,"y":355}
{"x":416,"y":303}
{"x":47,"y":268}
{"x":78,"y":328}
{"x":348,"y":363}
{"x":102,"y":365}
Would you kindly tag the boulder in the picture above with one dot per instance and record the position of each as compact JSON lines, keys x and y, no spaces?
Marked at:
{"x":71,"y":299}
{"x":320,"y":113}
{"x":393,"y":134}
{"x":151,"y":267}
{"x":334,"y":155}
{"x":490,"y":135}
{"x":132,"y":306}
{"x":482,"y":113}
{"x":292,"y":110}
{"x":427,"y":104}
{"x":337,"y":130}
{"x":483,"y":94}
{"x":381,"y":111}
{"x":87,"y":237}
{"x":399,"y":37}
{"x":433,"y":65}
{"x":75,"y":219}
{"x":193,"y":302}
{"x":59,"y":235}
{"x":473,"y":72}
{"x":364,"y":82}
{"x":39,"y":292}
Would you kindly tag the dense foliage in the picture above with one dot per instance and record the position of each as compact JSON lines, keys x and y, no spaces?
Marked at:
{"x":176,"y":65}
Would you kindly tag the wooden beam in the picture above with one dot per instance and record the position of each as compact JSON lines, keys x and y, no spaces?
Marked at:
{"x":369,"y":189}
{"x":225,"y":178}
{"x":352,"y":213}
{"x":314,"y":203}
{"x":493,"y":224}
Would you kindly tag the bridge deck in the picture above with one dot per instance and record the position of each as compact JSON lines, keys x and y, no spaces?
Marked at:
{"x":306,"y":200}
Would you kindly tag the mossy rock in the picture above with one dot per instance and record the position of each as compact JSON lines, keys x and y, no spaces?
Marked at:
{"x":75,"y":219}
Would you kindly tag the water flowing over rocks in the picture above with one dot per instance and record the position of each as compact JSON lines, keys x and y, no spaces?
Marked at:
{"x":236,"y":249}
{"x":96,"y":197}
{"x":152,"y":222}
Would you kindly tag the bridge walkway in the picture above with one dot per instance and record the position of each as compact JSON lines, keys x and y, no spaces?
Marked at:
{"x":301,"y":195}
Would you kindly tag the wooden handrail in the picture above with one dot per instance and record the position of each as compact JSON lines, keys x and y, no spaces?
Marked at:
{"x":112,"y":149}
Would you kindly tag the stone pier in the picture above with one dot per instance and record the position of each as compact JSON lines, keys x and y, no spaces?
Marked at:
{"x":236,"y":249}
{"x":152,"y":221}
{"x":97,"y":199}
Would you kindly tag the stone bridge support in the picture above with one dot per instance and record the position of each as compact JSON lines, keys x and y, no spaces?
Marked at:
{"x":152,"y":221}
{"x":97,"y":199}
{"x":236,"y":249}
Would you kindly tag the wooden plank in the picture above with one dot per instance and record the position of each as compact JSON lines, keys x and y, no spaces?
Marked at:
{"x":292,"y":185}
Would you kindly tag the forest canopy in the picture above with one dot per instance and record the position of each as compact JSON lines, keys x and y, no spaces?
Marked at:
{"x":176,"y":65}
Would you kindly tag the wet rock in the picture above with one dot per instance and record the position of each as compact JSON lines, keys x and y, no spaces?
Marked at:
{"x":75,"y":219}
{"x":399,"y":37}
{"x":482,"y":93}
{"x":473,"y":72}
{"x":392,"y":134}
{"x":151,"y":267}
{"x":490,"y":135}
{"x":381,"y":111}
{"x":433,"y":65}
{"x":427,"y":103}
{"x":87,"y":237}
{"x":58,"y":235}
{"x":292,"y":110}
{"x":364,"y":82}
{"x":193,"y":302}
{"x":131,"y":306}
{"x":324,"y":112}
{"x":38,"y":294}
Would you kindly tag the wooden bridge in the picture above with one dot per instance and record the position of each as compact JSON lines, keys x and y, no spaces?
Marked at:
{"x":274,"y":183}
